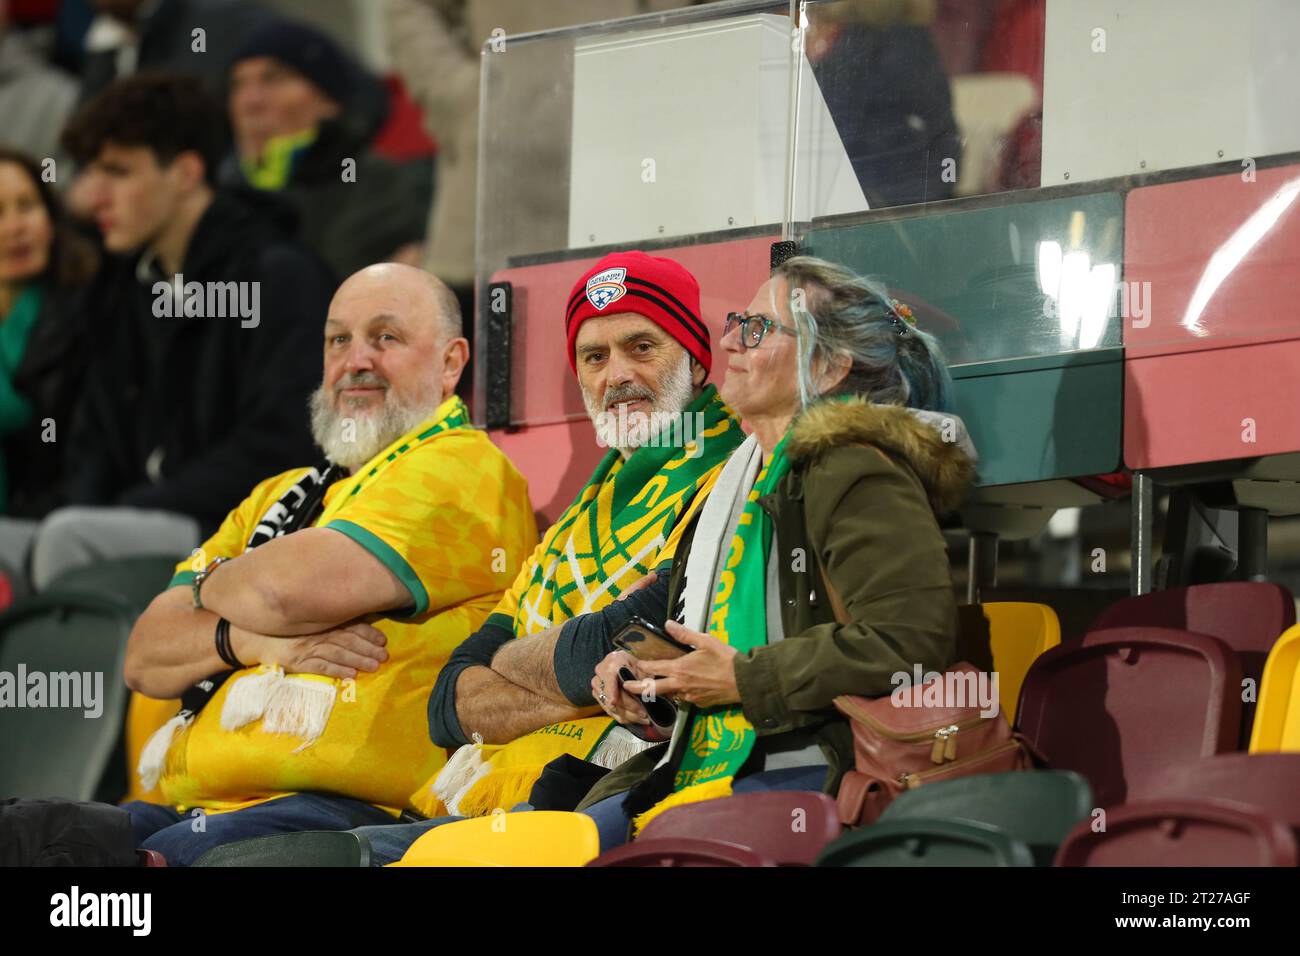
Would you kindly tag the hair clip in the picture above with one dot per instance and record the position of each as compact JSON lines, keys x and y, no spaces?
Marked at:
{"x":900,"y":316}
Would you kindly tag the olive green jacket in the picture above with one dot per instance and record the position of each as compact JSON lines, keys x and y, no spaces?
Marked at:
{"x":860,"y":503}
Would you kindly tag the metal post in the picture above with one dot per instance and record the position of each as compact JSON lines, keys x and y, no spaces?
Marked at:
{"x":981,"y":564}
{"x":1252,"y":544}
{"x":1141,"y":533}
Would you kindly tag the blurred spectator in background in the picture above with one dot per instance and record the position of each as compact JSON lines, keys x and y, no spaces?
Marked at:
{"x":289,"y":95}
{"x":194,"y":37}
{"x":436,"y":47}
{"x":204,"y":333}
{"x":960,"y":29}
{"x":885,"y":86}
{"x":44,"y":266}
{"x":1015,"y":45}
{"x":35,"y":98}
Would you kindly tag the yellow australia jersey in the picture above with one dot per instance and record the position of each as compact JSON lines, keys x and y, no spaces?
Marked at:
{"x":450,"y":516}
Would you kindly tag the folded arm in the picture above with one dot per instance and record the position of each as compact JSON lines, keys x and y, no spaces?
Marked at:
{"x":173,"y":646}
{"x":498,"y":711}
{"x":303,"y":583}
{"x":558,"y":663}
{"x":471,"y":698}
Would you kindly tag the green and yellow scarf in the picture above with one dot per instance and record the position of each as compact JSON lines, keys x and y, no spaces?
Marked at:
{"x":271,"y":170}
{"x":606,"y":540}
{"x":720,"y":739}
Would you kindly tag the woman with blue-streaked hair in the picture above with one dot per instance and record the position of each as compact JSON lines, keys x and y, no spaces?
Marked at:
{"x":816,"y":567}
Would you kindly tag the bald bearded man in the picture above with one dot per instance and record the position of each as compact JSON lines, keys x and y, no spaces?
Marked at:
{"x":301,"y":639}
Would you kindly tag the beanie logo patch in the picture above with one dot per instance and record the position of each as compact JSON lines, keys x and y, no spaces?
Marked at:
{"x":606,"y":287}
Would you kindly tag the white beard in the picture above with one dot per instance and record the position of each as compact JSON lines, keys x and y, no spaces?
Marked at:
{"x":350,"y":439}
{"x":676,"y":391}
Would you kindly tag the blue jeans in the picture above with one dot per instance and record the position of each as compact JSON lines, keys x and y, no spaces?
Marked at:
{"x":181,"y":841}
{"x":388,"y":844}
{"x":612,"y":823}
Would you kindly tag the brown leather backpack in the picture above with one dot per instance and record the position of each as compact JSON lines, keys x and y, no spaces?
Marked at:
{"x":897,"y":748}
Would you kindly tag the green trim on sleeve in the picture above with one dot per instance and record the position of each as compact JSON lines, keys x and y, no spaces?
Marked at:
{"x":390,"y":559}
{"x":185,"y":578}
{"x":503,"y":621}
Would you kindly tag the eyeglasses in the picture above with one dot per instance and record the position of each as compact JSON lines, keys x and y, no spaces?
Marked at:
{"x":753,"y":328}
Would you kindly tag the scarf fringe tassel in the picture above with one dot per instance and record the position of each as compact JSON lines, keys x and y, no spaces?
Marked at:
{"x":154,"y":753}
{"x":693,"y":794}
{"x":300,"y":707}
{"x":248,"y":696}
{"x":492,"y":788}
{"x":619,"y":745}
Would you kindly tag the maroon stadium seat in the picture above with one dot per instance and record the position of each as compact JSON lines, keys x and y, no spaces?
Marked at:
{"x":1267,"y":783}
{"x":788,"y":827}
{"x":1180,"y":833}
{"x":1129,"y":701}
{"x":680,"y":852}
{"x":1248,"y":616}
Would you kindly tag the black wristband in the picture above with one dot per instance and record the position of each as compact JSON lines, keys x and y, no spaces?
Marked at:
{"x":224,"y":650}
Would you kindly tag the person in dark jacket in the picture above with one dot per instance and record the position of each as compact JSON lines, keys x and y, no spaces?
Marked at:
{"x":194,"y":38}
{"x":128,"y":36}
{"x":889,"y":98}
{"x":205,"y":333}
{"x":298,"y":135}
{"x":44,"y":266}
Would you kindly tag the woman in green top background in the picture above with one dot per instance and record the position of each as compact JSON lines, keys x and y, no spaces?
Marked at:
{"x":44,"y":264}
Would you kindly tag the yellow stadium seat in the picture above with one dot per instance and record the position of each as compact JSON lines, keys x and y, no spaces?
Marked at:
{"x":531,"y":838}
{"x":1018,"y":633}
{"x":1277,"y":716}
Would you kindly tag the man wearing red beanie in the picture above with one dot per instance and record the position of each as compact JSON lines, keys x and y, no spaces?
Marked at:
{"x":659,"y":289}
{"x":635,"y":338}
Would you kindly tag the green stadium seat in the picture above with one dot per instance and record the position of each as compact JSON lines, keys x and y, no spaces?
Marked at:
{"x":1036,"y":807}
{"x":332,"y":848}
{"x":59,"y":751}
{"x":132,"y":581}
{"x":920,"y":843}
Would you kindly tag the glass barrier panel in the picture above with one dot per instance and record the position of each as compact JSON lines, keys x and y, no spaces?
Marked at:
{"x":1007,"y":281}
{"x":1133,"y":87}
{"x":662,"y":132}
{"x":904,"y":101}
{"x":929,"y":102}
{"x":1179,"y":265}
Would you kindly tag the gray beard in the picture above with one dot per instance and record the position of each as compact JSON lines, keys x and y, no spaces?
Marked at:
{"x":350,"y":439}
{"x":676,"y":392}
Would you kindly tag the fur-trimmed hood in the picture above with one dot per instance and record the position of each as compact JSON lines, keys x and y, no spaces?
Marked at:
{"x":935,"y":444}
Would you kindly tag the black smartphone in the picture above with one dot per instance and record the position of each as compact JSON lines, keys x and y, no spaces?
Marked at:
{"x":662,"y":713}
{"x":649,"y":642}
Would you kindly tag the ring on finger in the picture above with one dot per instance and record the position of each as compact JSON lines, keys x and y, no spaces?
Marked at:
{"x":602,"y":698}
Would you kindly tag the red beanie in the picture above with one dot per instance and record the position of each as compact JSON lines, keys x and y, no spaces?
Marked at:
{"x":657,"y":288}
